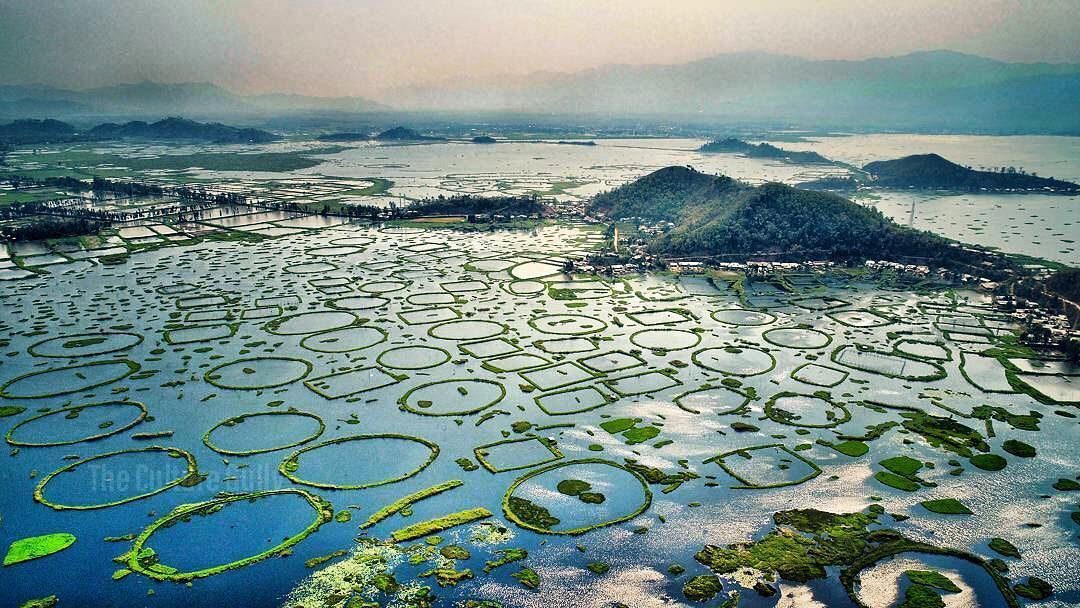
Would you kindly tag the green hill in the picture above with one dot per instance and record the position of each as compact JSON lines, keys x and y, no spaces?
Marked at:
{"x":930,"y":171}
{"x":719,"y":215}
{"x":32,"y":131}
{"x":404,"y":134}
{"x":175,"y":128}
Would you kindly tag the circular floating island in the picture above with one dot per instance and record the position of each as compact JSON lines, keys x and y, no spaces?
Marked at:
{"x":466,"y":330}
{"x":95,"y":418}
{"x":65,"y":380}
{"x":567,"y":325}
{"x":310,"y":322}
{"x":457,"y":397}
{"x":378,"y":458}
{"x":572,"y":490}
{"x":742,"y":316}
{"x":262,"y":425}
{"x":797,"y":337}
{"x":809,"y":411}
{"x":191,"y":473}
{"x":185,"y":514}
{"x":258,"y":372}
{"x":665,"y":339}
{"x":84,"y":345}
{"x":413,"y":357}
{"x":735,"y":360}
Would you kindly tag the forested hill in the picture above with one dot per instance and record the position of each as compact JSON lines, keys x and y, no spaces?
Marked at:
{"x":718,"y":215}
{"x":930,"y":171}
{"x":31,"y":131}
{"x":181,"y":128}
{"x":662,"y":195}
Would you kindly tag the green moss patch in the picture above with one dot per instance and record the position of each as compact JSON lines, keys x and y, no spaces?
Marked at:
{"x":946,"y":506}
{"x":26,"y":549}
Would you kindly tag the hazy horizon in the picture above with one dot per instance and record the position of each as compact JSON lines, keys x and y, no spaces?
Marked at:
{"x":369,"y":48}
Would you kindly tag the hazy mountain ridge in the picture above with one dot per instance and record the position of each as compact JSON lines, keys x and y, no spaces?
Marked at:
{"x":927,"y":90}
{"x":155,"y":99}
{"x":34,"y":131}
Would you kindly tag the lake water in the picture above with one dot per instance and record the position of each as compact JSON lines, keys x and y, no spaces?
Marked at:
{"x":260,"y":357}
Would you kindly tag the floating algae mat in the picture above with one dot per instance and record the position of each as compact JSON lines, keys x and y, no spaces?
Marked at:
{"x":346,"y":417}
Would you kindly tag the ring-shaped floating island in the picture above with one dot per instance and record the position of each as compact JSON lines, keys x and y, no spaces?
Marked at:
{"x":280,"y":371}
{"x":774,"y":410}
{"x":85,"y":345}
{"x":73,"y":412}
{"x":665,"y":339}
{"x":796,"y":337}
{"x":344,"y":340}
{"x":521,"y":520}
{"x":330,"y":251}
{"x":324,"y":513}
{"x":357,"y":303}
{"x":192,"y":473}
{"x":735,"y":360}
{"x":310,"y":322}
{"x":567,"y":324}
{"x":65,"y":380}
{"x":230,"y":422}
{"x":424,"y":399}
{"x":730,"y":400}
{"x":291,"y":464}
{"x":413,"y":357}
{"x":467,"y":329}
{"x":383,"y":286}
{"x":743,"y":317}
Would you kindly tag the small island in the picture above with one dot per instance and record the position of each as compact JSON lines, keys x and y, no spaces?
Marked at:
{"x":404,"y":134}
{"x":932,"y":172}
{"x":763,"y":150}
{"x":484,"y":139}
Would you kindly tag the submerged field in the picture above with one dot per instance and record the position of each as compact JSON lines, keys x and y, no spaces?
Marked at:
{"x":348,"y":414}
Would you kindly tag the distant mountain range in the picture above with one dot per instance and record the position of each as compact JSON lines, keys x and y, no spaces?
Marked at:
{"x":926,"y":91}
{"x":933,"y":90}
{"x":151,"y":99}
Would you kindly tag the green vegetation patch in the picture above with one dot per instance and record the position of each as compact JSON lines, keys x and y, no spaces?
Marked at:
{"x":439,"y":524}
{"x":988,"y":462}
{"x":702,"y":588}
{"x":1004,"y":547}
{"x":805,"y":542}
{"x":946,"y":506}
{"x":407,"y":501}
{"x":26,"y":549}
{"x":851,"y":448}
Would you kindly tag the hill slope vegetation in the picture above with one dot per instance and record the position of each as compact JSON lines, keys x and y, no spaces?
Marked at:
{"x":716,"y":215}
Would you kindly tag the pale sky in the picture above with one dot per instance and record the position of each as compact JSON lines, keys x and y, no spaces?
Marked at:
{"x":362,"y":47}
